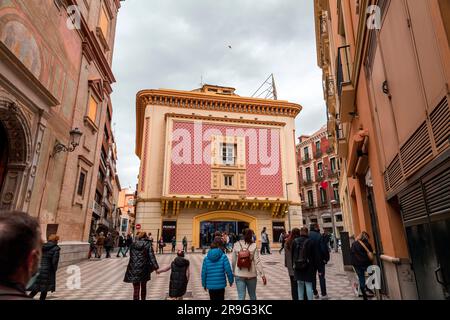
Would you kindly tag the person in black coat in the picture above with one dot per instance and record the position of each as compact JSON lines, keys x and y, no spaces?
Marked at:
{"x":122,"y":244}
{"x":46,"y":280}
{"x":179,"y":277}
{"x":304,"y":260}
{"x":360,"y":259}
{"x":142,"y":262}
{"x":109,"y":244}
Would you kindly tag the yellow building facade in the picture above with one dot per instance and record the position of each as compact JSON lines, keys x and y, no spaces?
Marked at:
{"x":214,"y":161}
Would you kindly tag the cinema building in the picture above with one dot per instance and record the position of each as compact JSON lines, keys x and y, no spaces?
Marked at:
{"x":214,"y":161}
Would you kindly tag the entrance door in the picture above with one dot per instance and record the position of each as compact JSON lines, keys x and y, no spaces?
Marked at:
{"x":426,"y":215}
{"x":3,"y":155}
{"x":208,"y":228}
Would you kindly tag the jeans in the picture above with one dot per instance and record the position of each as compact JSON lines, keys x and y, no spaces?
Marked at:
{"x":121,"y":250}
{"x":265,"y":248}
{"x":361,"y":272}
{"x":243,"y":285}
{"x":301,"y":290}
{"x":323,"y":285}
{"x":126,"y":250}
{"x":217,"y":295}
{"x":294,"y":288}
{"x":42,"y":297}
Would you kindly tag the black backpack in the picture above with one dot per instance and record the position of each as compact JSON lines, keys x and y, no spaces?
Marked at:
{"x":302,"y":262}
{"x":324,"y":248}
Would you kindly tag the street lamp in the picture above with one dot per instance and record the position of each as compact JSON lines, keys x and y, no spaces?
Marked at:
{"x":287,"y":199}
{"x":75,"y":137}
{"x":335,"y":244}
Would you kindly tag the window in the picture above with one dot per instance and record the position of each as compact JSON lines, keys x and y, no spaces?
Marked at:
{"x":228,"y":154}
{"x":310,"y":198}
{"x":326,"y":219}
{"x":338,"y":217}
{"x":228,"y":180}
{"x":336,"y":191}
{"x":130,"y":202}
{"x":277,"y":229}
{"x":169,"y":230}
{"x":319,"y":169}
{"x":308,"y":174}
{"x":313,"y":220}
{"x":306,"y":152}
{"x":104,"y":22}
{"x":318,"y":146}
{"x":323,"y":196}
{"x":333,"y":164}
{"x":81,"y":182}
{"x":92,"y":109}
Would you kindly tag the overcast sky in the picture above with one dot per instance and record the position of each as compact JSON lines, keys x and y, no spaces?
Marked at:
{"x":174,"y":43}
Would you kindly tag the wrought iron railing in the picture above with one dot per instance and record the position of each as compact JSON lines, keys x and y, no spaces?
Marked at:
{"x":343,"y":67}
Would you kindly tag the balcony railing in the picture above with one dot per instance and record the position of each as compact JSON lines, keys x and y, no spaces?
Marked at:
{"x":343,"y":68}
{"x":97,"y":208}
{"x":306,"y":159}
{"x":307,"y":181}
{"x":318,"y":154}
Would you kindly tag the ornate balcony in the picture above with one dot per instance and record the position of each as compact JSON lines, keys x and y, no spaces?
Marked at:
{"x":346,"y":89}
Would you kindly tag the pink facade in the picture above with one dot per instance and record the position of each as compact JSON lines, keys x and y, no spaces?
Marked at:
{"x":194,"y":176}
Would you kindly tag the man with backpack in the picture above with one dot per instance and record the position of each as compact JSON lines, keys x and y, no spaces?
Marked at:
{"x":304,"y":260}
{"x":321,"y":249}
{"x":247,"y":266}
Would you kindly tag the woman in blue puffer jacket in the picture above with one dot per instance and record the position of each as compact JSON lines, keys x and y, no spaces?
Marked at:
{"x":216,"y":267}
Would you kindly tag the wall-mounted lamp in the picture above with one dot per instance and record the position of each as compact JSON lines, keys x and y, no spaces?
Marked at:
{"x":75,"y":137}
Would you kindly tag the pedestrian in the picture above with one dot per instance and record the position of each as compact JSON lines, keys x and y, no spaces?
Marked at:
{"x":218,"y":241}
{"x":362,"y":257}
{"x":288,"y":261}
{"x":247,"y":266}
{"x":99,"y":244}
{"x":174,"y":244}
{"x":141,"y":264}
{"x":282,"y":240}
{"x":128,"y":243}
{"x":215,"y":271}
{"x":46,"y":280}
{"x":304,"y":264}
{"x":92,"y":247}
{"x":122,"y":245}
{"x":161,"y":245}
{"x":20,"y":252}
{"x":150,"y":238}
{"x":265,"y":242}
{"x":323,"y":256}
{"x":179,"y":276}
{"x":109,"y":244}
{"x":185,"y":244}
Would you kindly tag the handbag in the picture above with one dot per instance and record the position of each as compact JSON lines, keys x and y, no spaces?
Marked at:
{"x":369,"y":253}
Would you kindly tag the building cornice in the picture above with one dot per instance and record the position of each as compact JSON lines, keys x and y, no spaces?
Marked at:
{"x":220,"y":119}
{"x":210,"y":102}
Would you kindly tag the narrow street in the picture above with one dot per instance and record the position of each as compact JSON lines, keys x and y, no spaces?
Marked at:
{"x":103,"y":280}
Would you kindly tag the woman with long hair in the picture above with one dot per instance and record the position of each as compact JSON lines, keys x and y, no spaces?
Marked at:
{"x":142,"y":262}
{"x":362,"y":257}
{"x":295,"y":233}
{"x":246,"y":271}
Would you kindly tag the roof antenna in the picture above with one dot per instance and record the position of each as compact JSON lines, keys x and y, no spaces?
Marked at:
{"x":267,"y":90}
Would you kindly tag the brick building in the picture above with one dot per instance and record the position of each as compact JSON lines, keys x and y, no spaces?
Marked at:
{"x":318,"y":170}
{"x":55,"y":83}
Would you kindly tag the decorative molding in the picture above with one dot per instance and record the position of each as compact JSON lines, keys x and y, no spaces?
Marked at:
{"x":221,"y":119}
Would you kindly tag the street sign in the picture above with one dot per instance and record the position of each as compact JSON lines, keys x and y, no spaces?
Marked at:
{"x":138,"y":227}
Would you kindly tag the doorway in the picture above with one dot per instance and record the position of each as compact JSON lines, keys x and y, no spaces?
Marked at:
{"x":208,"y":228}
{"x":3,"y":155}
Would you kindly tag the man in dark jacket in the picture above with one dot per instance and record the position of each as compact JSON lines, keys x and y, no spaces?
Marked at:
{"x":142,"y":263}
{"x":304,"y":259}
{"x":109,"y":244}
{"x":179,"y":277}
{"x":360,"y":260}
{"x":122,"y":244}
{"x":20,"y":252}
{"x":322,"y":260}
{"x":46,"y":280}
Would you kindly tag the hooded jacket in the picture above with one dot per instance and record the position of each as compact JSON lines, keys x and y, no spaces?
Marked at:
{"x":142,"y":262}
{"x":46,"y":280}
{"x":178,"y":277}
{"x":216,"y":267}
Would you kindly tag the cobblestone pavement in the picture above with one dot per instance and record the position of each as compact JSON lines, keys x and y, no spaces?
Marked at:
{"x":103,"y":280}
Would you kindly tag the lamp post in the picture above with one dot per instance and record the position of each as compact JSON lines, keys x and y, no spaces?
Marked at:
{"x":287,"y":199}
{"x":335,"y":244}
{"x":75,"y":137}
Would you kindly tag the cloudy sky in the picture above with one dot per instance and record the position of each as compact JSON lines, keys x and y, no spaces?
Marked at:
{"x":175,"y":43}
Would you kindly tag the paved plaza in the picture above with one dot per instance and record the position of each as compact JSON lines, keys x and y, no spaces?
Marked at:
{"x":103,"y":280}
